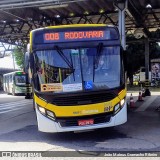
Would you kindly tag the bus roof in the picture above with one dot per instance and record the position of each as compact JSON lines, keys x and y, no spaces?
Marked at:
{"x":74,"y":26}
{"x":13,"y":72}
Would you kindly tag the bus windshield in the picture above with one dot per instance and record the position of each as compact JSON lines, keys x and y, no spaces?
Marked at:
{"x":79,"y":69}
{"x":20,"y":79}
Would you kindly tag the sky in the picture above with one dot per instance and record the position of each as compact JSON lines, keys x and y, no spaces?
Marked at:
{"x":7,"y":62}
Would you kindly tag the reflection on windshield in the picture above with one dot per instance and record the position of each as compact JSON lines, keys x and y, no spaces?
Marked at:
{"x":81,"y":69}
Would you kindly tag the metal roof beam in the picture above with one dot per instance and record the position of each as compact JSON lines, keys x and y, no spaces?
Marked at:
{"x":10,"y":1}
{"x":156,"y":18}
{"x":111,"y":20}
{"x":38,"y":3}
{"x":138,"y":17}
{"x":26,"y":3}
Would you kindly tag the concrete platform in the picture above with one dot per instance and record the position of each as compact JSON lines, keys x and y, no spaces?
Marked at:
{"x":149,"y":102}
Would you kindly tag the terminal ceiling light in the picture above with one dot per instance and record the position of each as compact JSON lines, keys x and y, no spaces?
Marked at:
{"x":17,"y":20}
{"x":54,"y":6}
{"x":57,"y":16}
{"x":138,"y":33}
{"x":86,"y":13}
{"x":158,"y":43}
{"x":101,"y":11}
{"x":148,"y":6}
{"x":4,"y":21}
{"x":116,"y":9}
{"x":71,"y":14}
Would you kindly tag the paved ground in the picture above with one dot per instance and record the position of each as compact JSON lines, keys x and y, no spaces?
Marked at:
{"x":18,"y":130}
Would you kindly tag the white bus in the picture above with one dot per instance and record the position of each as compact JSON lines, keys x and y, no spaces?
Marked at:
{"x":15,"y":83}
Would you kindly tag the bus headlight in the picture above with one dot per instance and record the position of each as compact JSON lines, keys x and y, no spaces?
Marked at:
{"x":122,"y":102}
{"x":47,"y":113}
{"x":42,"y":110}
{"x":118,"y":106}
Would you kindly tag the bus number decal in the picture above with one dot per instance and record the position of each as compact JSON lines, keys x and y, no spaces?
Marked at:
{"x":108,"y":106}
{"x":51,"y":36}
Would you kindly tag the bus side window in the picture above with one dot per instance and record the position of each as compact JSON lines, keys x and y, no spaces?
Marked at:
{"x":10,"y":78}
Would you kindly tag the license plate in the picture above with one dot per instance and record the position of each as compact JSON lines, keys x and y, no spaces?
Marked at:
{"x":85,"y":122}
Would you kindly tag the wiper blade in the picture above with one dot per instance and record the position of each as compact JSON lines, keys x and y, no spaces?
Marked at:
{"x":97,"y":57}
{"x":70,"y":64}
{"x":99,"y":53}
{"x":64,"y":57}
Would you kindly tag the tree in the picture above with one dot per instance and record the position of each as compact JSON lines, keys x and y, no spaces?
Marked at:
{"x":135,"y":59}
{"x":19,"y":57}
{"x":136,"y":56}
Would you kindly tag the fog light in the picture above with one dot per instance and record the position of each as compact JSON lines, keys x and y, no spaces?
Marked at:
{"x":116,"y":108}
{"x":50,"y":114}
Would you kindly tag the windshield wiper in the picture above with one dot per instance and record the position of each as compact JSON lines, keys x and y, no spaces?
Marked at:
{"x":97,"y":57}
{"x":70,"y":64}
{"x":64,"y":57}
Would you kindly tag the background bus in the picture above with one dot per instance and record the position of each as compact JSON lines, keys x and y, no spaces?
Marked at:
{"x":15,"y":83}
{"x":78,"y":77}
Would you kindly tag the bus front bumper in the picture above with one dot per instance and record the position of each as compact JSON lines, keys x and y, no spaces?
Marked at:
{"x":47,"y":125}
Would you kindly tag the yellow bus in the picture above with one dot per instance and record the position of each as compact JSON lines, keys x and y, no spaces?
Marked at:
{"x":78,"y":77}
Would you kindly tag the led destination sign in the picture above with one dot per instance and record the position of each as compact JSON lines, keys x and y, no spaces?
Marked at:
{"x":75,"y":36}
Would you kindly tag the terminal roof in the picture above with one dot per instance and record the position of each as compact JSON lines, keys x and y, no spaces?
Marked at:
{"x":18,"y":17}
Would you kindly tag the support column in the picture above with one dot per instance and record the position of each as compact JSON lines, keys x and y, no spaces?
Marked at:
{"x":146,"y":59}
{"x":121,"y":26}
{"x":121,"y":6}
{"x":147,"y":92}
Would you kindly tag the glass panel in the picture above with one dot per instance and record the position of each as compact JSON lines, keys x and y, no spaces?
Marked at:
{"x":20,"y":80}
{"x":79,"y":69}
{"x":103,"y":69}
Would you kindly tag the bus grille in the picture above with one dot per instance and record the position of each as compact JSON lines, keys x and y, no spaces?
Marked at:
{"x":99,"y":118}
{"x":82,"y":99}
